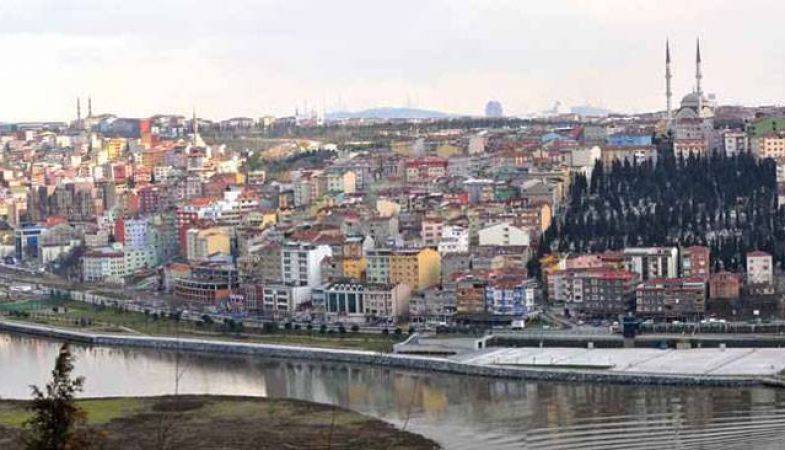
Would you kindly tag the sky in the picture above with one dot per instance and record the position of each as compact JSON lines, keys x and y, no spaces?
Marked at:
{"x":250,"y":58}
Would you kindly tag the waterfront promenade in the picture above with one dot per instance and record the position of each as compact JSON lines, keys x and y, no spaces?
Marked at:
{"x":627,"y":367}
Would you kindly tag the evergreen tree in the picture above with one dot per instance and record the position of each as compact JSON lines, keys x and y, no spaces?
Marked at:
{"x":727,"y":203}
{"x":57,"y":422}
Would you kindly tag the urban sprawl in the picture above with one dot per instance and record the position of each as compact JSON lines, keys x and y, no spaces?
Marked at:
{"x":674,"y":215}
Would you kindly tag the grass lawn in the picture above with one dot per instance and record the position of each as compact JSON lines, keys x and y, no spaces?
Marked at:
{"x":85,"y":316}
{"x":28,"y":305}
{"x":209,"y":422}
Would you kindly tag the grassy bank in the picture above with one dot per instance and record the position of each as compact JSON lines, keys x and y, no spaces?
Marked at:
{"x":87,"y":317}
{"x":210,"y":422}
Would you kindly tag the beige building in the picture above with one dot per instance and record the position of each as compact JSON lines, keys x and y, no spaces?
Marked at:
{"x":358,"y":302}
{"x":769,"y":146}
{"x":203,"y":243}
{"x":417,"y":268}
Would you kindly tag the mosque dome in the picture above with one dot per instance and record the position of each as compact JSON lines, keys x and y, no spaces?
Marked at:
{"x":693,"y":100}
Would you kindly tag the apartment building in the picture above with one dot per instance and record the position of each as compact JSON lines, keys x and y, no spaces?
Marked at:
{"x":671,"y":298}
{"x":301,"y":263}
{"x":695,"y":262}
{"x":760,"y":268}
{"x":417,"y":268}
{"x":103,"y":264}
{"x":652,"y":262}
{"x":378,"y":265}
{"x":595,"y":291}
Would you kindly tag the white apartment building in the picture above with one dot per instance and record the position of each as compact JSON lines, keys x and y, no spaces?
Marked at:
{"x":505,"y":234}
{"x":105,"y":264}
{"x":455,"y":239}
{"x":734,"y":142}
{"x":136,"y":232}
{"x":162,"y":173}
{"x":760,"y":268}
{"x":279,"y":298}
{"x":300,"y":263}
{"x":652,"y":262}
{"x":431,"y":231}
{"x":140,"y":244}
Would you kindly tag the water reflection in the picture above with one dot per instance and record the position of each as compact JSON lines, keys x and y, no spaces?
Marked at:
{"x":458,"y":411}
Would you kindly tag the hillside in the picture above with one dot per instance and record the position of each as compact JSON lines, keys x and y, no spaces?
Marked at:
{"x":726,"y":203}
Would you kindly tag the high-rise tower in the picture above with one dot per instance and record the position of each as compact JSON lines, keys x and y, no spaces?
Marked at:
{"x":78,"y":110}
{"x":89,"y":107}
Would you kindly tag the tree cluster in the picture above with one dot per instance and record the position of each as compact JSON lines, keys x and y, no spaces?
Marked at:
{"x":727,"y":203}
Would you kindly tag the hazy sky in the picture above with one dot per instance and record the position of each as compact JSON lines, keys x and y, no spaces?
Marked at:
{"x":243,"y":57}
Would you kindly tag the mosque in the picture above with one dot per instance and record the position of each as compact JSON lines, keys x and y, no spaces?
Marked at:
{"x":692,"y":125}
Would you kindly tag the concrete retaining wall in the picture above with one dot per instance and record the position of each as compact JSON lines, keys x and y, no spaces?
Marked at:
{"x":431,"y":364}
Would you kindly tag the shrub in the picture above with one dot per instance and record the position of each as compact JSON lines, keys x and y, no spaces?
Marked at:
{"x":355,"y":328}
{"x":322,"y":329}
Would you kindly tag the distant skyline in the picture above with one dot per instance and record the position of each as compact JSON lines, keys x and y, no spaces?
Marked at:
{"x":251,"y":58}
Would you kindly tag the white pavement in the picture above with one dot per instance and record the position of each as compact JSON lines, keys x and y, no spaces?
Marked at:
{"x":699,"y":361}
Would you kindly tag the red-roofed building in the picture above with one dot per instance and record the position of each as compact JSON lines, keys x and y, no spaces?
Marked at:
{"x":695,"y":262}
{"x":724,"y":285}
{"x":425,"y":169}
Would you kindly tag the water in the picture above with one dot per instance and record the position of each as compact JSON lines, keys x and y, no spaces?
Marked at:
{"x":457,"y":411}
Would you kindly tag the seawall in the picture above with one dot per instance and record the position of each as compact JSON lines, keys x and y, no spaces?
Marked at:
{"x":430,"y":364}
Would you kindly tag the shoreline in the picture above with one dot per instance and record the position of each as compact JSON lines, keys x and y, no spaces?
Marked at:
{"x":411,"y":362}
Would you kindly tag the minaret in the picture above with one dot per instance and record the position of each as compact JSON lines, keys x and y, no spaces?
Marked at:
{"x":89,"y":107}
{"x":698,"y":75}
{"x":196,"y":140}
{"x":195,"y":125}
{"x":668,"y":75}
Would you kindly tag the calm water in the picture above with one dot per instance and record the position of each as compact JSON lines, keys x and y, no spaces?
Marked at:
{"x":457,"y":411}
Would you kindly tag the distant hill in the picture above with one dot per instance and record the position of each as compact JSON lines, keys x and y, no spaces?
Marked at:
{"x":590,"y":111}
{"x":388,"y":113}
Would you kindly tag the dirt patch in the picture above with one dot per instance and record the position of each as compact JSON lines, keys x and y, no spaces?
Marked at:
{"x":220,"y":422}
{"x":177,"y":404}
